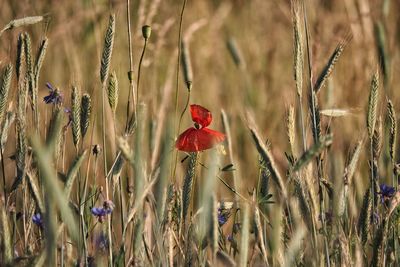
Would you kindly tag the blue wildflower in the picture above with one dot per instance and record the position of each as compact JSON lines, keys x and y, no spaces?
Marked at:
{"x":37,"y":219}
{"x":224,"y":212}
{"x":54,"y":97}
{"x":101,"y":212}
{"x":222,"y":217}
{"x":386,"y":192}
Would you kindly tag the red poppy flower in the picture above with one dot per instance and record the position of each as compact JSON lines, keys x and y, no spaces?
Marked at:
{"x":199,"y":137}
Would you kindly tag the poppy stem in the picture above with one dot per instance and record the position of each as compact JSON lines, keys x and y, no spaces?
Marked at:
{"x":139,"y":72}
{"x":131,"y":93}
{"x":173,"y":169}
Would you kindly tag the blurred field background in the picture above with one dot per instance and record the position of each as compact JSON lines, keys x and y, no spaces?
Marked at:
{"x":257,"y":85}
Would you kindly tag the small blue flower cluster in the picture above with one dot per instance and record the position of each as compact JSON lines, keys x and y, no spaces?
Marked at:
{"x":101,"y":212}
{"x":55,"y":96}
{"x":386,"y":192}
{"x":38,"y":220}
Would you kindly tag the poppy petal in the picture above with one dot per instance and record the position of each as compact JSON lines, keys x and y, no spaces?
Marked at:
{"x":186,"y":140}
{"x":194,"y":140}
{"x":201,"y":115}
{"x":209,"y":138}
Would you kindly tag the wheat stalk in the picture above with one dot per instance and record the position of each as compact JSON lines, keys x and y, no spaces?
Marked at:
{"x":86,"y":109}
{"x":188,"y":185}
{"x":327,"y":70}
{"x":268,"y":158}
{"x":22,"y":22}
{"x":290,"y":128}
{"x":313,"y":152}
{"x":297,"y":47}
{"x":113,"y":91}
{"x":302,"y":195}
{"x":40,"y":59}
{"x":76,"y":115}
{"x":107,"y":49}
{"x":4,"y":90}
{"x":364,"y":221}
{"x":373,"y":104}
{"x":20,"y":56}
{"x":392,"y":131}
{"x":379,"y":244}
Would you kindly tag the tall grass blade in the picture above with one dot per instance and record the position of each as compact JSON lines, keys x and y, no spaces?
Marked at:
{"x":72,"y":173}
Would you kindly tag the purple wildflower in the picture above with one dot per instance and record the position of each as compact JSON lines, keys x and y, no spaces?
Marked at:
{"x":224,"y":212}
{"x":386,"y":192}
{"x":37,"y":219}
{"x":101,"y":212}
{"x":54,"y":97}
{"x":222,"y":217}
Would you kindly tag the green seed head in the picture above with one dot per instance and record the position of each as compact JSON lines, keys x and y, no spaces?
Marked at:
{"x":146,"y":31}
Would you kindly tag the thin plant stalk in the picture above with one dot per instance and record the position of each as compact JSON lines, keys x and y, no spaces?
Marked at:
{"x":4,"y":176}
{"x":139,"y":72}
{"x":372,"y":177}
{"x":105,"y":166}
{"x":177,"y":127}
{"x":309,"y":60}
{"x":303,"y":131}
{"x":131,"y":92}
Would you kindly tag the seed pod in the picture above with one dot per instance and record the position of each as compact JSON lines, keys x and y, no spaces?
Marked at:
{"x":146,"y":31}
